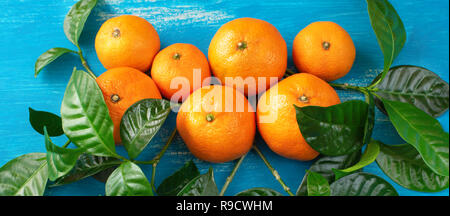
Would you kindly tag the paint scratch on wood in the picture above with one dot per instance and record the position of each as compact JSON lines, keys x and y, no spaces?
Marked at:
{"x":174,"y":16}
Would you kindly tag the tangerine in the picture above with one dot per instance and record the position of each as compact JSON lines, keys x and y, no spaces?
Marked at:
{"x":248,"y":47}
{"x":324,"y":49}
{"x":180,"y":61}
{"x":276,"y":116}
{"x":127,"y":41}
{"x":121,"y":88}
{"x":217,"y":123}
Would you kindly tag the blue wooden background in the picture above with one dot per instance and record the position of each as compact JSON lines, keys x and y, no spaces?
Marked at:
{"x":29,"y":27}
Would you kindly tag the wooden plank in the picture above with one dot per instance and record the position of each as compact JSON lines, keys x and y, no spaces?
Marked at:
{"x":30,"y":27}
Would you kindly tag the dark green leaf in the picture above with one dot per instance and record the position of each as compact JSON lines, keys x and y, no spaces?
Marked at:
{"x":202,"y":185}
{"x":334,"y":130}
{"x":388,"y":28}
{"x":174,"y":183}
{"x":141,"y":122}
{"x":362,"y":184}
{"x":87,"y":165}
{"x":103,"y":175}
{"x":85,"y":116}
{"x":60,"y":160}
{"x":325,"y":165}
{"x":76,"y":18}
{"x":259,"y":191}
{"x":369,"y":156}
{"x":128,"y":180}
{"x":414,"y":85}
{"x":41,"y":119}
{"x":421,"y":131}
{"x":317,"y":185}
{"x":24,"y":176}
{"x":48,"y":57}
{"x":404,"y":165}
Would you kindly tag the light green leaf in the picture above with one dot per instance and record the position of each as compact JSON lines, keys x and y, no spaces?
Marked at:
{"x":370,"y":121}
{"x":60,"y":160}
{"x":339,"y":174}
{"x":317,"y":185}
{"x":128,"y":180}
{"x":369,"y":156}
{"x":421,"y":131}
{"x":24,"y":176}
{"x":76,"y":18}
{"x":85,"y":116}
{"x":48,"y":57}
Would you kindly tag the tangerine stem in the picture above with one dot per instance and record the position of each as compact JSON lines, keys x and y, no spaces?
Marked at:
{"x":161,"y":153}
{"x":158,"y":157}
{"x":84,"y":62}
{"x":152,"y":181}
{"x":274,"y":172}
{"x":66,"y":144}
{"x":347,"y":86}
{"x":290,"y":72}
{"x":169,"y":141}
{"x":231,"y":176}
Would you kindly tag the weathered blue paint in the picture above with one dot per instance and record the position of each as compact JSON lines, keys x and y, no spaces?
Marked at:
{"x":29,"y":27}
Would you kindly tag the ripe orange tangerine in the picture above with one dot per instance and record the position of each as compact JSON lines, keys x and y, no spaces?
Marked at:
{"x":121,"y":88}
{"x":180,"y":61}
{"x":276,"y":116}
{"x":217,"y":123}
{"x":127,"y":41}
{"x":324,"y":49}
{"x":248,"y":48}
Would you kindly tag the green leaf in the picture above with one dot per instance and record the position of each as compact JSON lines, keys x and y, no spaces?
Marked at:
{"x":76,"y":18}
{"x":24,"y":176}
{"x":259,"y":191}
{"x":202,"y":185}
{"x":41,"y":119}
{"x":370,"y":120}
{"x":87,"y":165}
{"x":362,"y":184}
{"x":404,"y":165}
{"x":60,"y":160}
{"x":317,"y":185}
{"x":325,"y":165}
{"x":128,"y":180}
{"x":334,"y":130}
{"x":414,"y":85}
{"x":339,"y":174}
{"x":369,"y":156}
{"x":421,"y":131}
{"x":48,"y":57}
{"x":388,"y":28}
{"x":173,"y":184}
{"x":103,"y":175}
{"x":85,"y":116}
{"x":141,"y":122}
